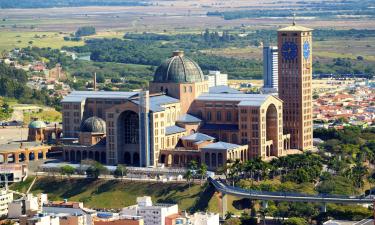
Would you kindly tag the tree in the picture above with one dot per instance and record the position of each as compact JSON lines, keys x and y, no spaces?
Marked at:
{"x":120,"y":171}
{"x":188,"y":176}
{"x":228,"y":215}
{"x":358,"y":173}
{"x":95,"y":170}
{"x":67,"y":170}
{"x":295,"y":221}
{"x":202,"y":171}
{"x":85,"y":31}
{"x":233,"y":221}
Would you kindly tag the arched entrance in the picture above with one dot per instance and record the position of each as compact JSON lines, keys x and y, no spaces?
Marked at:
{"x":127,"y":158}
{"x":162,"y":158}
{"x":103,"y":158}
{"x":128,"y":137}
{"x":72,"y":156}
{"x":272,"y":128}
{"x":136,"y":161}
{"x":97,"y":156}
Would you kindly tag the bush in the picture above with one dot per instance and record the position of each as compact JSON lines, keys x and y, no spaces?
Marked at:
{"x":295,"y":221}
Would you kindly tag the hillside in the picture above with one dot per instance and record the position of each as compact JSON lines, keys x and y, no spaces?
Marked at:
{"x":116,"y":194}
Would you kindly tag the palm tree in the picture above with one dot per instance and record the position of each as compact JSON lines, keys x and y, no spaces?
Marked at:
{"x":249,"y":169}
{"x":202,"y":171}
{"x":188,"y":176}
{"x":358,"y":173}
{"x":234,"y":171}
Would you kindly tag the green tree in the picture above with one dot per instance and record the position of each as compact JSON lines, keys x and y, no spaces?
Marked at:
{"x":67,"y":170}
{"x":233,"y":221}
{"x":120,"y":171}
{"x":95,"y":170}
{"x":295,"y":221}
{"x":202,"y":172}
{"x":188,"y":176}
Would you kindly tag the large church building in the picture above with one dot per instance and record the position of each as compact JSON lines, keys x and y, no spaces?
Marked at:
{"x":181,"y":119}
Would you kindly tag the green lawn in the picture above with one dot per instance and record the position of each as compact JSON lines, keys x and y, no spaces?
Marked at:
{"x":10,"y":40}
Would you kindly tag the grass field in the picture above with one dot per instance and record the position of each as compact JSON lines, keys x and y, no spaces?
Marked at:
{"x":118,"y":194}
{"x":46,"y":115}
{"x":21,"y":39}
{"x":10,"y":40}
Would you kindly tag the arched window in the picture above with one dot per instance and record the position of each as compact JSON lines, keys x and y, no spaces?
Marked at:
{"x":199,"y":114}
{"x":184,"y":89}
{"x":207,"y":159}
{"x":229,"y":116}
{"x":190,"y":89}
{"x":209,"y":116}
{"x":220,"y":159}
{"x":213,"y":160}
{"x":224,"y":137}
{"x":218,"y":116}
{"x":234,"y":138}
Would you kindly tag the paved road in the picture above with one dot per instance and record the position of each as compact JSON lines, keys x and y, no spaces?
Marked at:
{"x":287,"y":196}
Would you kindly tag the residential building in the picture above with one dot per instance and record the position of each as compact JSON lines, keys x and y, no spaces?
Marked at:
{"x":152,"y":214}
{"x":270,"y":69}
{"x":39,"y":219}
{"x":70,"y":213}
{"x":5,"y":198}
{"x":216,"y":78}
{"x":27,"y":205}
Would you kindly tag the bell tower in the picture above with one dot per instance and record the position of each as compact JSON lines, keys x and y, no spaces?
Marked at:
{"x":295,"y":84}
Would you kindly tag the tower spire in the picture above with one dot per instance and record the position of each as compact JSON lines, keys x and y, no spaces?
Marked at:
{"x":294,"y":19}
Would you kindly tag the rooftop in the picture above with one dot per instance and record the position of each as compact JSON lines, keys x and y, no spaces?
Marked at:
{"x":187,"y":118}
{"x":174,"y":130}
{"x":197,"y":137}
{"x":223,"y":89}
{"x":221,"y":146}
{"x":243,"y":99}
{"x":79,"y":96}
{"x":156,"y":102}
{"x":295,"y":28}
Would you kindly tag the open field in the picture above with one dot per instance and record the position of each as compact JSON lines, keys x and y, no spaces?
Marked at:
{"x":167,"y":16}
{"x":21,"y":39}
{"x":118,"y":194}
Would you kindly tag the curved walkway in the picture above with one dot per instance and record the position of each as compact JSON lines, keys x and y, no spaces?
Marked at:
{"x":287,"y":196}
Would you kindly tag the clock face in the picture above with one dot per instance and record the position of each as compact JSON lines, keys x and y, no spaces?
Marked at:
{"x":289,"y":50}
{"x":306,"y":50}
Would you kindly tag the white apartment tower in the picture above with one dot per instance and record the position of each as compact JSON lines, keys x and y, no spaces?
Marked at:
{"x":270,"y":68}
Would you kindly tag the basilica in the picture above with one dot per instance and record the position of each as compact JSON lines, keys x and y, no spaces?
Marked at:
{"x":180,"y":119}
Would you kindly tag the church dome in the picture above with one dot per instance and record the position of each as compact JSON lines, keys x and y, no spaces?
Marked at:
{"x":178,"y":69}
{"x":93,"y":125}
{"x":37,"y":124}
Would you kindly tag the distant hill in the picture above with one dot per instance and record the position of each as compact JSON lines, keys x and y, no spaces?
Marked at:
{"x":67,"y":3}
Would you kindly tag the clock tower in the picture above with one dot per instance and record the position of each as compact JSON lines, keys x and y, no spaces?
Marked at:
{"x":295,"y":84}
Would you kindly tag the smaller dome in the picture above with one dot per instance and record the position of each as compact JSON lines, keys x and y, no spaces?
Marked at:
{"x":37,"y":124}
{"x":93,"y":125}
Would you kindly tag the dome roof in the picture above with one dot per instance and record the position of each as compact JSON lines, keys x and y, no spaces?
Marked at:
{"x":93,"y":125}
{"x":178,"y":69}
{"x":37,"y":124}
